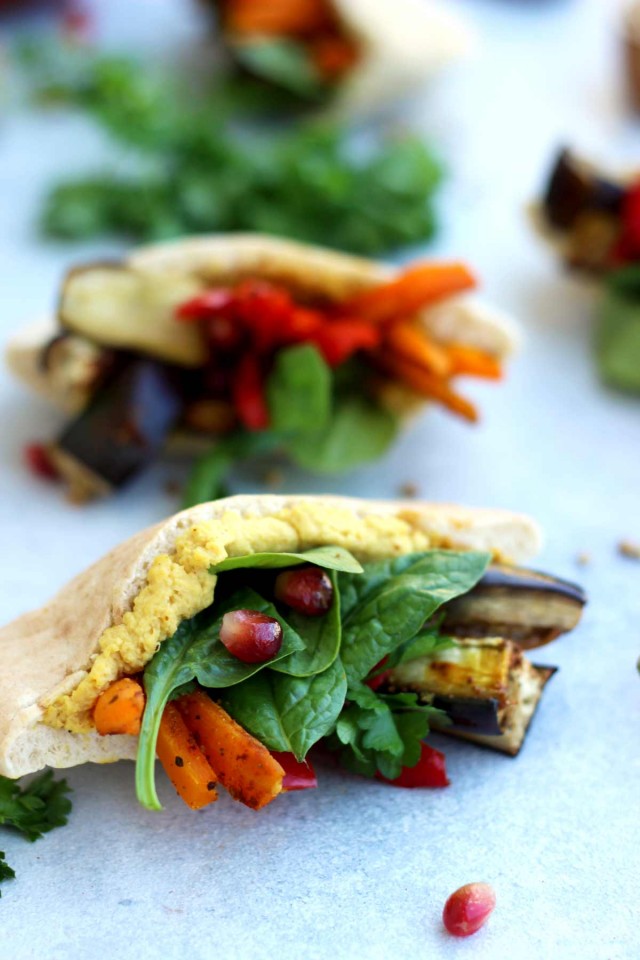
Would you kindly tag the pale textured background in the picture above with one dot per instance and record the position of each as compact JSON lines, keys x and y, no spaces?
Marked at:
{"x":357,"y":869}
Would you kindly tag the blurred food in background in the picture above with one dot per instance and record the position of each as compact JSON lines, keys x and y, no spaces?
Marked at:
{"x":246,"y":346}
{"x":361,"y":54}
{"x":208,"y":162}
{"x":593,"y":220}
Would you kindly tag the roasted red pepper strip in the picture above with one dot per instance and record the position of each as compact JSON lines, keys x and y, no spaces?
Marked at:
{"x":378,"y":675}
{"x":206,"y":305}
{"x":338,"y":340}
{"x":248,"y":394}
{"x":430,"y":771}
{"x":298,"y":775}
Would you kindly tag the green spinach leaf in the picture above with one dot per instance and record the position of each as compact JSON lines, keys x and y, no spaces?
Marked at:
{"x":287,"y":713}
{"x":390,"y":604}
{"x":359,"y":431}
{"x":321,"y":637}
{"x":618,"y":331}
{"x":299,"y":391}
{"x":330,"y":558}
{"x":283,"y":62}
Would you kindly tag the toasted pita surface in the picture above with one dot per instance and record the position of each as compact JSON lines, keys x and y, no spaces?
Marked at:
{"x":200,"y":262}
{"x":110,"y":619}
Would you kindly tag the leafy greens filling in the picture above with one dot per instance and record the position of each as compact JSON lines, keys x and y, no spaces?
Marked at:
{"x":316,"y":686}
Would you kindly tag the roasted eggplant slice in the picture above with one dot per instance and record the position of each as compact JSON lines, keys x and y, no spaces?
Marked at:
{"x":575,"y":187}
{"x":75,"y":368}
{"x":522,"y":605}
{"x":122,"y":430}
{"x":487,"y":688}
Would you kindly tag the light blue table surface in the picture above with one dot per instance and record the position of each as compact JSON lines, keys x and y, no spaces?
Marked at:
{"x":356,"y":869}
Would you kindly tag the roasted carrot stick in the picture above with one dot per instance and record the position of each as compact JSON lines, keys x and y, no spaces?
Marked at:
{"x":474,"y":362}
{"x":243,"y":765}
{"x":410,"y":342}
{"x":278,"y":17}
{"x":429,"y":385}
{"x":333,"y":55}
{"x":183,"y":761}
{"x":415,"y":288}
{"x":119,"y":708}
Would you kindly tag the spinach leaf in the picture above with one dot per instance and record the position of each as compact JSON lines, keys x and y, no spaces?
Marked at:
{"x":618,"y":331}
{"x":208,"y":476}
{"x":359,"y":431}
{"x":283,"y":62}
{"x":321,"y":637}
{"x":330,"y":558}
{"x":390,"y":603}
{"x":299,"y":391}
{"x":424,"y":644}
{"x":195,"y":652}
{"x":287,"y":713}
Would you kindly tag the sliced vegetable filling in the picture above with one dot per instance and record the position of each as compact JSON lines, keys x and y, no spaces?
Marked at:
{"x":253,"y":366}
{"x":311,"y":647}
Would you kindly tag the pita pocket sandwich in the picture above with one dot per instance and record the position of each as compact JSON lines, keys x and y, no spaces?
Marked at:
{"x":246,"y":345}
{"x":235,"y":636}
{"x":356,"y":55}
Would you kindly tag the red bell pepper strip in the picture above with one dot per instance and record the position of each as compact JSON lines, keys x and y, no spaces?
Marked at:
{"x":205,"y":305}
{"x":627,"y":247}
{"x":338,"y":340}
{"x":247,"y":388}
{"x":298,"y":775}
{"x":430,"y":771}
{"x":378,"y":675}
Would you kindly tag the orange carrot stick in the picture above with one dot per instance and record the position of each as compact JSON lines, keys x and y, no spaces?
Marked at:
{"x":415,"y":288}
{"x":473,"y":362}
{"x":183,"y":761}
{"x":412,"y":343}
{"x":278,"y":17}
{"x":119,"y":708}
{"x":427,"y":384}
{"x":333,"y":55}
{"x":244,"y":766}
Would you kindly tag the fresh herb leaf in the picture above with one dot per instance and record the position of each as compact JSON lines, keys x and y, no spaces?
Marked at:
{"x":424,"y":644}
{"x":299,"y":391}
{"x":321,"y":636}
{"x":6,"y":872}
{"x":207,"y":479}
{"x":286,"y":713}
{"x":330,"y":558}
{"x":389,"y":604}
{"x":194,"y":169}
{"x":359,"y":431}
{"x":36,"y":808}
{"x":618,"y":331}
{"x":195,"y":652}
{"x":283,"y":62}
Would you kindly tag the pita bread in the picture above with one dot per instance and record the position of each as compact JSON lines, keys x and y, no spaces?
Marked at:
{"x":199,"y":262}
{"x":110,"y":619}
{"x":400,"y":47}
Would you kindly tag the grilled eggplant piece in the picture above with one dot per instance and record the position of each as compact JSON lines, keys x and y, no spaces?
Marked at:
{"x":75,"y":368}
{"x":122,"y":430}
{"x":522,"y":605}
{"x":487,"y":688}
{"x":116,"y":306}
{"x":576,"y":187}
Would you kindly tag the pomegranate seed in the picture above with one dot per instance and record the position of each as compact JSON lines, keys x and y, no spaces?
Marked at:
{"x":251,"y":636}
{"x":468,"y":909}
{"x":305,"y":589}
{"x":39,"y":461}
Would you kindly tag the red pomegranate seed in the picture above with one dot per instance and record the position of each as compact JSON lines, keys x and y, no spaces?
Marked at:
{"x":468,"y":909}
{"x":251,"y":636}
{"x":39,"y":461}
{"x":305,"y":589}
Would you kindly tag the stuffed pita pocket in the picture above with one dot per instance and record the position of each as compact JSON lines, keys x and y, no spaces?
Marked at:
{"x":258,"y":626}
{"x":358,"y":55}
{"x":249,"y":345}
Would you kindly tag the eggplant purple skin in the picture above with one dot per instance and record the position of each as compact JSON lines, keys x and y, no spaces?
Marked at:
{"x":520,"y":578}
{"x":573,"y":188}
{"x":125,"y":427}
{"x":470,"y":714}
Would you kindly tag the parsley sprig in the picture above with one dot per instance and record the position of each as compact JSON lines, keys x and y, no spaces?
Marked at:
{"x":33,"y":809}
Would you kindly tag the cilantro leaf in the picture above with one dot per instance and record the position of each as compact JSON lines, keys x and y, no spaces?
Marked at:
{"x":6,"y":872}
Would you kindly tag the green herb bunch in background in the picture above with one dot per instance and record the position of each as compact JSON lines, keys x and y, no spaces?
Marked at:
{"x":209,"y":157}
